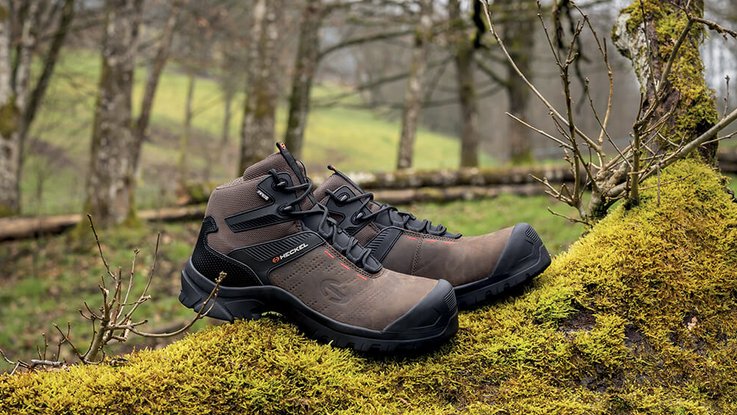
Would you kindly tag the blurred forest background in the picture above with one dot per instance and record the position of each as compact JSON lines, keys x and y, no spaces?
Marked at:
{"x":119,"y":106}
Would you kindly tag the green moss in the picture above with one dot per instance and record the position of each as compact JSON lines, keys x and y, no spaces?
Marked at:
{"x":9,"y":114}
{"x":7,"y":211}
{"x":639,"y":316}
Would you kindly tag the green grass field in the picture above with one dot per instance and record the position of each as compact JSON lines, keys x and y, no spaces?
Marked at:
{"x":57,"y":157}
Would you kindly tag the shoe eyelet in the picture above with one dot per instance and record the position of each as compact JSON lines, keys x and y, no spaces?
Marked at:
{"x":340,"y":199}
{"x":284,"y":209}
{"x":357,"y":217}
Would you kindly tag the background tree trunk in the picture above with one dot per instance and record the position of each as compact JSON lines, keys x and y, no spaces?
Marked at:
{"x":257,"y":130}
{"x":519,"y":35}
{"x":184,"y":139}
{"x":413,"y":95}
{"x":228,"y":95}
{"x":687,"y":104}
{"x":110,"y":181}
{"x":305,"y":65}
{"x":19,"y":100}
{"x":465,"y":65}
{"x":152,"y":82}
{"x":9,"y":122}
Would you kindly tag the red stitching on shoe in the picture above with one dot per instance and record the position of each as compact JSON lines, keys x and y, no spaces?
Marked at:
{"x":362,"y":277}
{"x":328,"y":254}
{"x":345,"y":266}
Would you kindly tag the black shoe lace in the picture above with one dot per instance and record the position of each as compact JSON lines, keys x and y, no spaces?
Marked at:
{"x":406,"y":219}
{"x":327,"y":227}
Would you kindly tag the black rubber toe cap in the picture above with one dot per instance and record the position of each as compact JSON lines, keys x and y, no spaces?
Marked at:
{"x":431,"y":314}
{"x":524,"y":248}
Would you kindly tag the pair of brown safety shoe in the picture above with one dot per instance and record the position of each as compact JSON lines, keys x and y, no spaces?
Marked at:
{"x":344,"y":268}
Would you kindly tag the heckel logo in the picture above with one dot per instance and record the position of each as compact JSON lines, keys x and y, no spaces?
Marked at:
{"x":288,"y":253}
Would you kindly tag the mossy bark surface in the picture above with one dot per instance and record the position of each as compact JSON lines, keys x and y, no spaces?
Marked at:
{"x":262,"y":89}
{"x":639,"y":316}
{"x":111,"y":175}
{"x":646,"y":32}
{"x":415,"y":85}
{"x":305,"y":65}
{"x":9,"y":123}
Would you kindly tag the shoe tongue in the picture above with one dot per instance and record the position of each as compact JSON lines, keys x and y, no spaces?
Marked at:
{"x":283,"y":161}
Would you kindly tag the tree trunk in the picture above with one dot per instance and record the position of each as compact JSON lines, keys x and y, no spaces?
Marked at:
{"x":305,"y":66}
{"x":152,"y":82}
{"x":18,"y":107}
{"x":687,"y":103}
{"x":464,"y":62}
{"x":228,"y":95}
{"x":519,"y":35}
{"x":187,"y":132}
{"x":257,"y":129}
{"x":9,"y":122}
{"x":110,"y":183}
{"x":413,"y":95}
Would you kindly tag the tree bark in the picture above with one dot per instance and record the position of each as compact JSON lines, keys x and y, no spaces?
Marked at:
{"x":152,"y":82}
{"x":228,"y":95}
{"x":305,"y":65}
{"x":413,"y":96}
{"x":687,"y":104}
{"x":9,"y":123}
{"x":519,"y":35}
{"x":110,"y":183}
{"x":464,"y":49}
{"x":257,"y":129}
{"x":19,"y":107}
{"x":187,"y":131}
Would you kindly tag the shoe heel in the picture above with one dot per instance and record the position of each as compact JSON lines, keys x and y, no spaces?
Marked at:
{"x":223,"y":307}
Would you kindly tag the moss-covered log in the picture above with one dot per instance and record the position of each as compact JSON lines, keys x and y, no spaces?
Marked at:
{"x":639,"y":316}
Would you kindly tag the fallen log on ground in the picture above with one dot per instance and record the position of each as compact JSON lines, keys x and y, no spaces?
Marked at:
{"x":516,"y":180}
{"x":32,"y":227}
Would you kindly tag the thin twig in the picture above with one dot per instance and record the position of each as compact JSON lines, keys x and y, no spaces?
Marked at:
{"x":199,"y":315}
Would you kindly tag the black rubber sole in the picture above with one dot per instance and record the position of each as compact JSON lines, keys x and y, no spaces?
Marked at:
{"x":523,"y":258}
{"x":436,"y":322}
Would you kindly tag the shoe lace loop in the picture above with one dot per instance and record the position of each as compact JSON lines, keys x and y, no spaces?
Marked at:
{"x":327,"y":227}
{"x":406,"y":219}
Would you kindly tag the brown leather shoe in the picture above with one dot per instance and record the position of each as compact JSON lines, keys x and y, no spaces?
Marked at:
{"x":479,"y":267}
{"x":282,"y":252}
